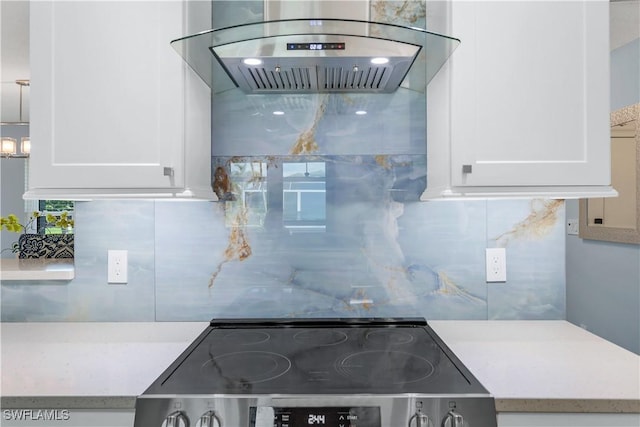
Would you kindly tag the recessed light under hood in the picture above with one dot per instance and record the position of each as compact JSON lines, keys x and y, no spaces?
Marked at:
{"x":316,"y":56}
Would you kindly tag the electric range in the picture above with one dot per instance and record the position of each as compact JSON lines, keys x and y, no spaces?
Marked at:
{"x":316,"y":372}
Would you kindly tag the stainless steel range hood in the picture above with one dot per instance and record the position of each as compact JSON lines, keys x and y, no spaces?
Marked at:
{"x":316,"y":56}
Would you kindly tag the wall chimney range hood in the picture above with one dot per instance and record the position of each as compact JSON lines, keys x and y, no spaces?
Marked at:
{"x":316,"y":56}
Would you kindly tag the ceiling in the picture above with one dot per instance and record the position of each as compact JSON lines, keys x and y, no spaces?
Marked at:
{"x":14,"y":48}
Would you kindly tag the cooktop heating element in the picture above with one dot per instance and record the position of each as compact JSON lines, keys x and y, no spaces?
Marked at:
{"x":316,"y":372}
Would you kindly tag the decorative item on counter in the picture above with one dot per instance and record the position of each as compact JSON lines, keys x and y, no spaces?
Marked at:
{"x":45,"y":246}
{"x":53,"y":239}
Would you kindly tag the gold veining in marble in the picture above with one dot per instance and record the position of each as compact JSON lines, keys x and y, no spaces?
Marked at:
{"x":306,"y":142}
{"x":539,"y":223}
{"x":237,"y":214}
{"x":383,"y":161}
{"x":238,"y":247}
{"x":364,"y":301}
{"x":408,"y":12}
{"x":449,"y":287}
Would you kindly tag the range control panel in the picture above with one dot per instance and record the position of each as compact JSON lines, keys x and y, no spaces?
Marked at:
{"x":270,"y":416}
{"x":316,"y":411}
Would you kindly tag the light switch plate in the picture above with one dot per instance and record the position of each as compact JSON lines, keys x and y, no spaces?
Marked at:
{"x":117,"y":266}
{"x":496,"y":264}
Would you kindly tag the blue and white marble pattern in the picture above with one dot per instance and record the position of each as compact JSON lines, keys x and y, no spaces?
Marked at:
{"x":532,"y":231}
{"x":99,"y":227}
{"x":377,"y":256}
{"x":335,"y":124}
{"x":353,"y":240}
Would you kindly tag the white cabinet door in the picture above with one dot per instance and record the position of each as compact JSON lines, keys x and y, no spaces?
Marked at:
{"x":107,"y":98}
{"x":529,"y":88}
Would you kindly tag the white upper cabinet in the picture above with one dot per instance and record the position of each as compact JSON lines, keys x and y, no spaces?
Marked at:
{"x":114,"y":109}
{"x":522,"y":107}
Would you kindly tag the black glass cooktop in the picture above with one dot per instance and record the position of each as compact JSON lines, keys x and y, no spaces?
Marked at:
{"x":317,"y":356}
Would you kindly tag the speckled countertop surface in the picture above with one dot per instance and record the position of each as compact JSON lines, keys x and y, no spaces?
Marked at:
{"x":86,"y":365}
{"x":528,"y":366}
{"x":546,"y":366}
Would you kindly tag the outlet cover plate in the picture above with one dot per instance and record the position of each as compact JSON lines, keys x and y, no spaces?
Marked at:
{"x":572,"y":227}
{"x":496,"y":264}
{"x":117,"y":266}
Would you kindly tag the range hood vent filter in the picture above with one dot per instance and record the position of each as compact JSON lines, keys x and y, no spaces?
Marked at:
{"x":315,"y":79}
{"x":316,"y":56}
{"x":257,"y":79}
{"x":372,"y":79}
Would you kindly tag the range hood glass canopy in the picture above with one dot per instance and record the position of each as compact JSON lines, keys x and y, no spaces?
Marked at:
{"x":315,"y":56}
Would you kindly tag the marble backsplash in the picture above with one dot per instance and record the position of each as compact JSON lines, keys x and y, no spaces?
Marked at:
{"x":322,"y":220}
{"x":190,"y":261}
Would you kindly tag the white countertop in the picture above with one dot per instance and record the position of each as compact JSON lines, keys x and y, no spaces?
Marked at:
{"x":552,"y":366}
{"x":528,"y":366}
{"x":73,"y":365}
{"x":37,"y":269}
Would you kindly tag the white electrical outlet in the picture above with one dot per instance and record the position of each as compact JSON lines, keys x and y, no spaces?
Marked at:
{"x":496,"y":264}
{"x":572,"y":227}
{"x":117,"y":266}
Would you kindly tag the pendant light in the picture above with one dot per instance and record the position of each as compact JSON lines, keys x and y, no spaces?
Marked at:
{"x":8,"y":145}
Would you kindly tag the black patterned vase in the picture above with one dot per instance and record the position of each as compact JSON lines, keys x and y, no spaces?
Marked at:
{"x":45,"y":246}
